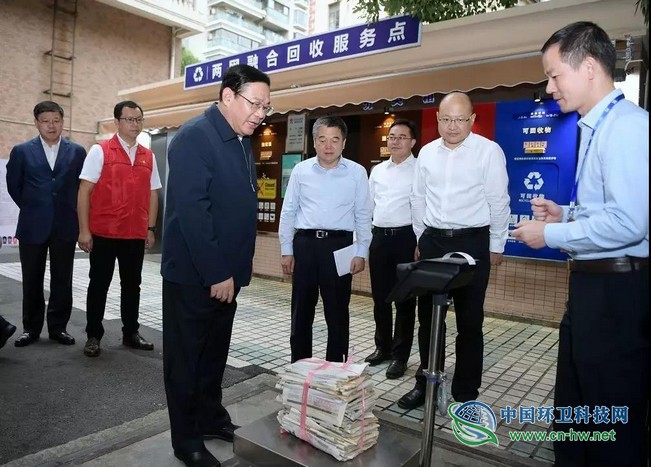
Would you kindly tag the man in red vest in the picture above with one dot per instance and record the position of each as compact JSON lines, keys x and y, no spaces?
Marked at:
{"x":117,"y":208}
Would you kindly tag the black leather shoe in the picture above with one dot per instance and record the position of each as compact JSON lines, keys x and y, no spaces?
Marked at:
{"x":413,"y":399}
{"x":62,"y":337}
{"x":226,"y":432}
{"x":396,"y":369}
{"x":25,"y":339}
{"x":92,"y":348}
{"x":5,"y":333}
{"x":197,"y":458}
{"x":137,"y":342}
{"x":377,"y":357}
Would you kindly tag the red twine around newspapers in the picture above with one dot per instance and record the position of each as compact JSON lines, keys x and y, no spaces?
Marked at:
{"x":306,"y":389}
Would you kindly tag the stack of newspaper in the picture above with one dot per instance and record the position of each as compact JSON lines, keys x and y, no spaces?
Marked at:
{"x":329,"y":405}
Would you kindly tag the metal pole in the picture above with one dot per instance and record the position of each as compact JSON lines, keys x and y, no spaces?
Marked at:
{"x":439,"y":307}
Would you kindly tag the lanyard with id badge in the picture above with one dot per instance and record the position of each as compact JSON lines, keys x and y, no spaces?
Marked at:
{"x":573,"y":198}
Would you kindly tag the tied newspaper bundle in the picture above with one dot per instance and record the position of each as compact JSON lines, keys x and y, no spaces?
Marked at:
{"x":329,"y":405}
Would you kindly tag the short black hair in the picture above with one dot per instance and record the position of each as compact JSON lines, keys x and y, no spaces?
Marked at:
{"x":330,"y":122}
{"x":239,"y":75}
{"x":117,"y":110}
{"x":47,"y":106}
{"x":409,"y":124}
{"x":583,"y":39}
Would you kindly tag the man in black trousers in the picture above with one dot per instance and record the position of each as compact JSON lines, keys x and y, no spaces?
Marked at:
{"x":394,"y":242}
{"x":208,"y":244}
{"x":42,"y":179}
{"x":460,"y":202}
{"x":325,"y":202}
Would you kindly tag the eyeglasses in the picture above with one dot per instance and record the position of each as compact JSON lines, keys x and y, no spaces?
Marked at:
{"x":50,"y":122}
{"x":257,"y":106}
{"x":448,"y":121}
{"x":137,"y":120}
{"x":398,"y":139}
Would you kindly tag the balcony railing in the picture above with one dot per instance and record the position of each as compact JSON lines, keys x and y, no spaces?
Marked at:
{"x":253,"y":8}
{"x":232,"y":19}
{"x":229,"y":44}
{"x":273,"y":37}
{"x":277,"y":16}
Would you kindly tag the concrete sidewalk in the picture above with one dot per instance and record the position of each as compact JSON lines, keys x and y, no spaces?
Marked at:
{"x":519,"y":369}
{"x":146,"y":442}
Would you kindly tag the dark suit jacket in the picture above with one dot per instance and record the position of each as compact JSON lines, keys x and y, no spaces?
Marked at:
{"x":210,"y":209}
{"x":47,"y":198}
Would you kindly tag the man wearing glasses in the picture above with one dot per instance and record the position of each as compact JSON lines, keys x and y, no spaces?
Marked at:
{"x":209,"y":240}
{"x":117,"y":208}
{"x":460,"y":202}
{"x":394,"y":242}
{"x":42,"y":179}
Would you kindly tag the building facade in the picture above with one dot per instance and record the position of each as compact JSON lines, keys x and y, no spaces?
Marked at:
{"x":236,"y":26}
{"x":81,"y":54}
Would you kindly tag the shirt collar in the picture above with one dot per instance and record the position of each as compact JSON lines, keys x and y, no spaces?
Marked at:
{"x":343,"y":162}
{"x":124,"y":144}
{"x":215,"y":116}
{"x":409,"y":160}
{"x":470,"y":142}
{"x":590,"y":119}
{"x":47,"y":146}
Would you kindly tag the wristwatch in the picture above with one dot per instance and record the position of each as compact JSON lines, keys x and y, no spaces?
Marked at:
{"x":152,"y":228}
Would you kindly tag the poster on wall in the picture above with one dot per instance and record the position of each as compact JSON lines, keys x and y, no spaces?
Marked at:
{"x":267,"y":188}
{"x":540,"y":143}
{"x":8,"y":213}
{"x":289,"y":161}
{"x":295,"y":133}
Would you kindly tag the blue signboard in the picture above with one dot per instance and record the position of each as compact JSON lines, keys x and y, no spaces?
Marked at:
{"x":387,"y":34}
{"x":540,"y":144}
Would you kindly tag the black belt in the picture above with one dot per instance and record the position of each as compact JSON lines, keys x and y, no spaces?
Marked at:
{"x":467,"y":232}
{"x":601,"y":266}
{"x":315,"y":233}
{"x":391,"y":231}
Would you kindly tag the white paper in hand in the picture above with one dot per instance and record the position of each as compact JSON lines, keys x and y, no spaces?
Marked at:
{"x":343,"y":259}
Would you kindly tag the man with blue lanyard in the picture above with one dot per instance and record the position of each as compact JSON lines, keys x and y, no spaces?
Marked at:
{"x":602,"y":379}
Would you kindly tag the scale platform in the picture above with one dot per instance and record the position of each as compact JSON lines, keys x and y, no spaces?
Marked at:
{"x":261,"y":444}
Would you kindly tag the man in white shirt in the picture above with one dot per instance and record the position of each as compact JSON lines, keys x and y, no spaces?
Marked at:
{"x":394,"y":242}
{"x":117,"y":209}
{"x":460,"y":202}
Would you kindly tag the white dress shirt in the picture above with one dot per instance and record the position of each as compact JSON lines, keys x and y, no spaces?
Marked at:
{"x":390,"y":190}
{"x":51,"y":152}
{"x":94,"y":163}
{"x":462,"y":187}
{"x":329,"y":199}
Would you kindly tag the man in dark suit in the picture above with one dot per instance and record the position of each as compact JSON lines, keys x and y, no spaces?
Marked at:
{"x":43,"y":179}
{"x":208,"y":244}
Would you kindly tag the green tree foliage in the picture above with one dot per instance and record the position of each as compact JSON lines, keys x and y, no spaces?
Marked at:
{"x":430,"y":11}
{"x":644,"y":6}
{"x":187,"y":58}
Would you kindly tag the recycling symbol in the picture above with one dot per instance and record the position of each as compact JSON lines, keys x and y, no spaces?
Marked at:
{"x":534,"y":181}
{"x":198,"y":74}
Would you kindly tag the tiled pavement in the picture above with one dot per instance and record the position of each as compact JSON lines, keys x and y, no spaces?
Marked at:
{"x":519,"y":359}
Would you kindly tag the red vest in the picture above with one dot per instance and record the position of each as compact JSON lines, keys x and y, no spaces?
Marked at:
{"x":119,"y":202}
